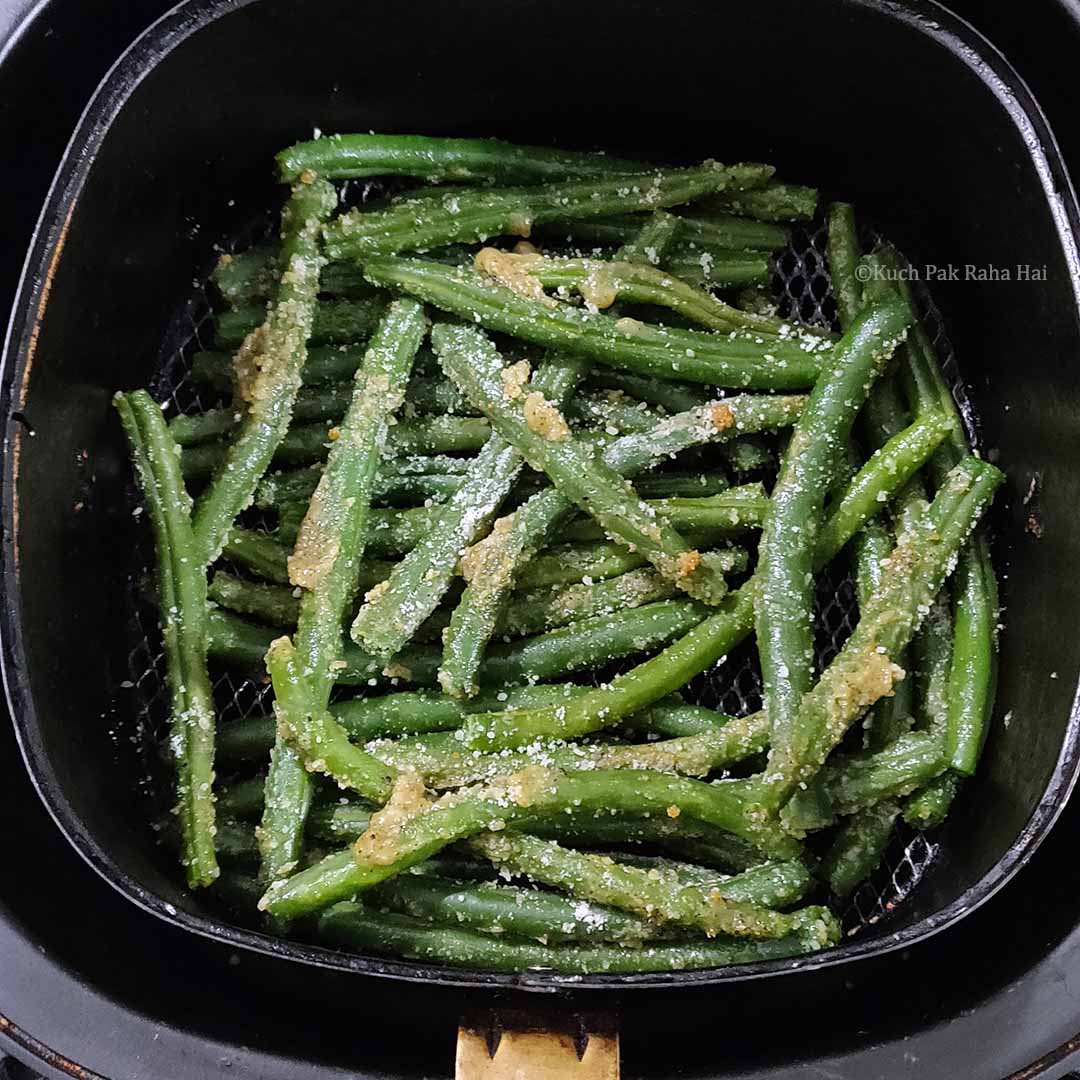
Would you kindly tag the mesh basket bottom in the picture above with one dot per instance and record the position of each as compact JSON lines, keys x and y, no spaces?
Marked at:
{"x":802,"y":290}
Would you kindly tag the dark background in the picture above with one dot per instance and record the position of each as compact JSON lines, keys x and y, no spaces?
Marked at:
{"x":87,"y":974}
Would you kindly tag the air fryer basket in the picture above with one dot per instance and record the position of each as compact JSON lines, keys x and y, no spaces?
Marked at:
{"x":173,"y":154}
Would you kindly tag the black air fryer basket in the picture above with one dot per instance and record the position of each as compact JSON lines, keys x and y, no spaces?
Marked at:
{"x":885,"y":104}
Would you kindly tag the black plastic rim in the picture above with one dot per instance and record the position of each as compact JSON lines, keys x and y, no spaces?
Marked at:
{"x":191,"y":16}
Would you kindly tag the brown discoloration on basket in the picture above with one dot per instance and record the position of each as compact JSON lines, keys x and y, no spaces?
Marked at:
{"x":44,"y":1053}
{"x":19,"y":404}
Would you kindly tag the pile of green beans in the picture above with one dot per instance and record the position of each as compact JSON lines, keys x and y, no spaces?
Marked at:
{"x":480,"y":509}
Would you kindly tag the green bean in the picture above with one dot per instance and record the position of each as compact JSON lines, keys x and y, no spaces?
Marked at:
{"x":858,"y":847}
{"x":250,"y":276}
{"x":857,"y":781}
{"x":325,"y":561}
{"x":864,"y":670}
{"x":657,"y":896}
{"x":204,"y":427}
{"x":570,"y":564}
{"x":673,"y":396}
{"x":274,"y":354}
{"x":436,"y":394}
{"x":887,"y":471}
{"x":843,"y":254}
{"x":392,"y":479}
{"x":355,"y":927}
{"x":309,"y":443}
{"x":325,"y":566}
{"x":323,"y":745}
{"x":533,"y":613}
{"x":611,"y":413}
{"x":365,"y":719}
{"x":408,"y":830}
{"x":265,"y":556}
{"x":287,"y":796}
{"x":258,"y":553}
{"x":933,"y":649}
{"x":681,"y":485}
{"x":577,"y":564}
{"x":182,"y":605}
{"x":794,"y":521}
{"x":537,"y":429}
{"x":443,"y":762}
{"x":928,"y":807}
{"x":589,"y":642}
{"x":712,"y":230}
{"x":237,"y":643}
{"x":742,"y":360}
{"x":602,"y":282}
{"x":718,"y":269}
{"x":933,"y":656}
{"x":326,"y":401}
{"x":391,"y":613}
{"x":247,"y":740}
{"x":717,"y":229}
{"x":246,"y":277}
{"x":279,"y":605}
{"x":325,"y":365}
{"x":346,"y":822}
{"x":651,"y":240}
{"x":508,"y":909}
{"x":334,"y":322}
{"x":973,"y":675}
{"x":891,"y":716}
{"x":733,"y":511}
{"x":975,"y":600}
{"x":465,"y":216}
{"x":775,"y":201}
{"x":235,"y":842}
{"x":672,"y":718}
{"x":317,"y":403}
{"x":417,"y":712}
{"x":291,"y":486}
{"x":773,"y":885}
{"x":241,"y":644}
{"x":273,"y":604}
{"x":338,"y":823}
{"x":748,"y":455}
{"x":714,"y":422}
{"x":348,"y":157}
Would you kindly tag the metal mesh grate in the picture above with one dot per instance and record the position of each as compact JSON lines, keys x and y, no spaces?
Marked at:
{"x":801,"y":287}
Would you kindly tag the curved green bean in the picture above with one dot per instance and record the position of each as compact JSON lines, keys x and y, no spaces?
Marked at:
{"x":356,"y":927}
{"x":353,"y":156}
{"x":794,"y":520}
{"x":742,"y":361}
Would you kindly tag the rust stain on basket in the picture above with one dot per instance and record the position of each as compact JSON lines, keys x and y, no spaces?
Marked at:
{"x":44,"y":1053}
{"x":24,"y":386}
